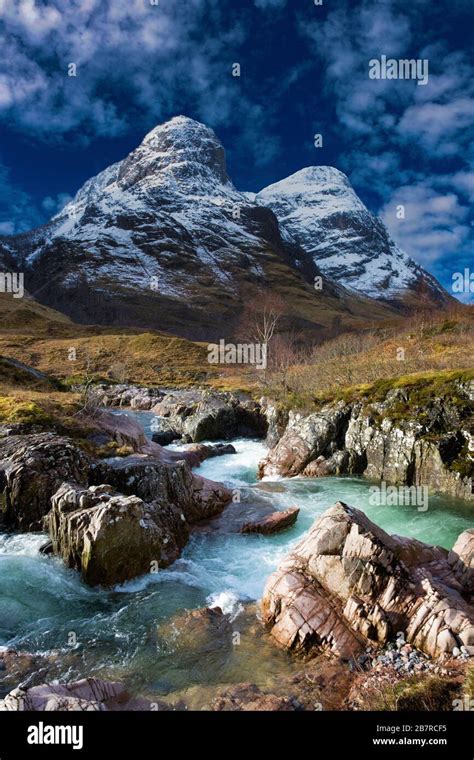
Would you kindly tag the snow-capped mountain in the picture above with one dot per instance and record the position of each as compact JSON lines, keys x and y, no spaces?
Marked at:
{"x":164,"y":240}
{"x":318,"y":209}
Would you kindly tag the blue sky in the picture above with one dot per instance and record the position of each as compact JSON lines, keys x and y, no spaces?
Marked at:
{"x":304,"y":70}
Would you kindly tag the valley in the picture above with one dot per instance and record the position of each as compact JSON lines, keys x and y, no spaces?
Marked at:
{"x":236,"y":450}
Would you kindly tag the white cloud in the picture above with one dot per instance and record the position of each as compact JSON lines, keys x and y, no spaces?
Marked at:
{"x":435,"y":225}
{"x":396,"y":131}
{"x":52,"y":206}
{"x":146,"y":55}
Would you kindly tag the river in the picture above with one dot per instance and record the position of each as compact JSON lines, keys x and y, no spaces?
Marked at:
{"x":116,"y":633}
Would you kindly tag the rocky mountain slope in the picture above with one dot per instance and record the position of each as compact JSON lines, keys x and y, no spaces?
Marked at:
{"x":164,"y":240}
{"x":318,"y":210}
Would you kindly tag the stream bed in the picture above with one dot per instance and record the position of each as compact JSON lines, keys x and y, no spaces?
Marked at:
{"x":128,"y":633}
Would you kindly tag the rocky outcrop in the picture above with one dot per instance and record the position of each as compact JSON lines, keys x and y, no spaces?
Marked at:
{"x":304,"y":440}
{"x":202,"y":452}
{"x":208,"y":415}
{"x":406,"y":438}
{"x":348,"y":582}
{"x":155,"y":478}
{"x":111,"y":538}
{"x":88,"y":694}
{"x":112,"y":535}
{"x":461,"y":559}
{"x":277,"y":420}
{"x":273,"y":523}
{"x":133,"y":396}
{"x":31,"y":469}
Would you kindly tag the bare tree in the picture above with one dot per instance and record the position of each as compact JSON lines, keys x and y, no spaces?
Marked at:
{"x":90,"y":398}
{"x":260,"y":321}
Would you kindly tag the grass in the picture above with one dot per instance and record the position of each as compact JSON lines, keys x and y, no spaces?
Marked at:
{"x":469,"y":682}
{"x":420,"y":693}
{"x":421,"y":353}
{"x":147,"y":358}
{"x":437,"y":353}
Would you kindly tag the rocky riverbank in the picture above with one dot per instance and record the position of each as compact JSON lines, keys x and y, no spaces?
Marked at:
{"x":348,"y":583}
{"x":417,"y":434}
{"x":113,"y":518}
{"x":357,"y":609}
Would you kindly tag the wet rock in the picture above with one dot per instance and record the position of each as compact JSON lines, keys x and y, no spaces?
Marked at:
{"x":427,"y":445}
{"x":203,"y":451}
{"x":171,"y":482}
{"x":109,"y":537}
{"x":31,"y":469}
{"x":47,"y":548}
{"x":16,"y":666}
{"x":273,"y":523}
{"x":88,"y":694}
{"x":461,"y":559}
{"x":201,"y":640}
{"x":208,"y":415}
{"x":165,"y":437}
{"x":247,"y":697}
{"x":348,"y":582}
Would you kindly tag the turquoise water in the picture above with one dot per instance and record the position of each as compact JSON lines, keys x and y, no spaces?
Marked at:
{"x":42,"y":602}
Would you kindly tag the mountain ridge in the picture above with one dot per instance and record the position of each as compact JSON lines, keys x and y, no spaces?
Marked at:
{"x":163,"y":240}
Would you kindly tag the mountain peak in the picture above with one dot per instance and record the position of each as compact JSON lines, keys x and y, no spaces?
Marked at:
{"x":179,"y":150}
{"x":177,"y":128}
{"x":323,"y":188}
{"x":314,"y":175}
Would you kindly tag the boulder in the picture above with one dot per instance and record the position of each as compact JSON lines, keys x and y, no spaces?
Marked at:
{"x":171,"y":482}
{"x":31,"y":469}
{"x":209,"y":415}
{"x":273,"y":523}
{"x":111,"y":538}
{"x":348,"y":582}
{"x":201,"y":451}
{"x":461,"y":558}
{"x":305,"y":439}
{"x":88,"y":694}
{"x":164,"y":437}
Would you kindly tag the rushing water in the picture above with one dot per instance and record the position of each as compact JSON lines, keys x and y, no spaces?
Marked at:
{"x":118,"y":631}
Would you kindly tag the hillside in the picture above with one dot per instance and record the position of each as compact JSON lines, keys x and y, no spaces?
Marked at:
{"x":164,"y":241}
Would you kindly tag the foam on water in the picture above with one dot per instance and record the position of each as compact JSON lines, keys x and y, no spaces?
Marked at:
{"x":41,"y":601}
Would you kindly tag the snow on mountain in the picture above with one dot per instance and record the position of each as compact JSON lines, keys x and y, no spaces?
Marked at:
{"x":317,"y":208}
{"x":163,"y":239}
